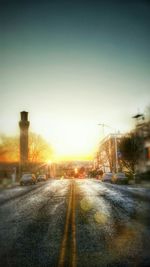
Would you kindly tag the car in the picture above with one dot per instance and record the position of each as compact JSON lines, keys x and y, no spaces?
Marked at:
{"x":119,"y":178}
{"x":28,"y":178}
{"x":107,"y":177}
{"x":41,"y":177}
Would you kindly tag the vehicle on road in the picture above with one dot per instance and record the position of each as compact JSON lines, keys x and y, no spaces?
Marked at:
{"x":41,"y":177}
{"x":119,"y":178}
{"x":28,"y":178}
{"x":107,"y":177}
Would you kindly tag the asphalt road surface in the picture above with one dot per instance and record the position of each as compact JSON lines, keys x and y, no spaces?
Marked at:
{"x":74,"y":223}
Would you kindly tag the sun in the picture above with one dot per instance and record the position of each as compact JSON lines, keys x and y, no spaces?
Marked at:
{"x":48,"y":161}
{"x":70,"y":141}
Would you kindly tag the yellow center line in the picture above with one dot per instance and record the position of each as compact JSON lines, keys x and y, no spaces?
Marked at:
{"x":74,"y":251}
{"x":70,"y":218}
{"x":61,"y":262}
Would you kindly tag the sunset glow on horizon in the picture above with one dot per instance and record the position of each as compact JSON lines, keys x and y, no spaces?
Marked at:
{"x":73,"y":66}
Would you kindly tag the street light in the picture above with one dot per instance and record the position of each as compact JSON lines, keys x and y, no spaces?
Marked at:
{"x":115,"y":139}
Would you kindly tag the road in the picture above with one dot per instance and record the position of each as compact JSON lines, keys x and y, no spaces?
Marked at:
{"x":74,"y":223}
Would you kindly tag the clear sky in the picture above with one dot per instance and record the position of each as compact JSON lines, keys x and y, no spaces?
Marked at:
{"x":72,"y":65}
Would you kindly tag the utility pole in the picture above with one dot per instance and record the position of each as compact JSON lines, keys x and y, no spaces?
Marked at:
{"x":116,"y":152}
{"x":103,"y":125}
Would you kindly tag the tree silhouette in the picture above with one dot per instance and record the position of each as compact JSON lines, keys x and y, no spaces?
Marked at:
{"x":39,"y":149}
{"x":130,"y":148}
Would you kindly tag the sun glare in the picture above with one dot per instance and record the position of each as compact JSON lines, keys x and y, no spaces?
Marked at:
{"x":72,"y":148}
{"x":70,"y":140}
{"x":48,"y":161}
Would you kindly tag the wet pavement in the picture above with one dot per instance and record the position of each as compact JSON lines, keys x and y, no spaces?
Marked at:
{"x":74,"y":223}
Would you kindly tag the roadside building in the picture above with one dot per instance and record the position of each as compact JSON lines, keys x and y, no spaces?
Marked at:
{"x":108,"y":154}
{"x":142,"y":133}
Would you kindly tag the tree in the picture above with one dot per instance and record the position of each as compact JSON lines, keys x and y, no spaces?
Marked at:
{"x":9,"y":148}
{"x":130,"y":149}
{"x":107,"y":154}
{"x":39,"y":149}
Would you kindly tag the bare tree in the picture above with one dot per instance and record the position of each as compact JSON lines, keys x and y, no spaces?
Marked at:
{"x":9,"y":148}
{"x":130,"y":149}
{"x":39,"y":149}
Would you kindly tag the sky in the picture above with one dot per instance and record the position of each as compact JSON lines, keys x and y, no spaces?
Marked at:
{"x":73,"y":65}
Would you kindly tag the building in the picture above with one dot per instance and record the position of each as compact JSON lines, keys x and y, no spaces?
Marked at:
{"x":24,"y":127}
{"x":142,"y":133}
{"x":108,"y":155}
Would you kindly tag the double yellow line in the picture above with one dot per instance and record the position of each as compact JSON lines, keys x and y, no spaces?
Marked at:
{"x":70,"y":223}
